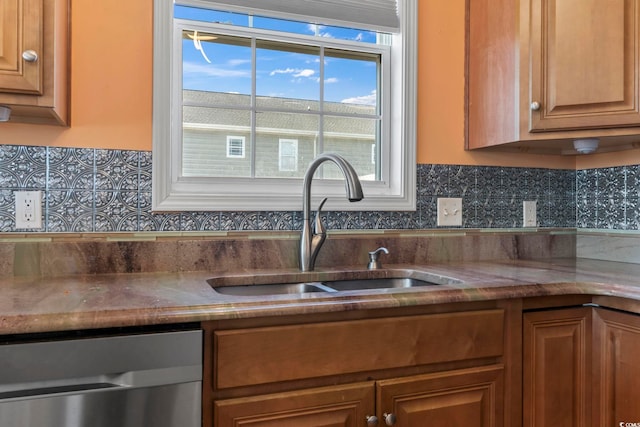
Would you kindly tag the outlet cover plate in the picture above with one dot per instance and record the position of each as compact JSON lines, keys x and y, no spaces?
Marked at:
{"x":449,"y":211}
{"x":28,"y":209}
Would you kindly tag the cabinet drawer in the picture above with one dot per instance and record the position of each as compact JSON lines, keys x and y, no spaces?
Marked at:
{"x":245,"y":357}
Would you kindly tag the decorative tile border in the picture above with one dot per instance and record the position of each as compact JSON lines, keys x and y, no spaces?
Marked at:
{"x":97,"y":190}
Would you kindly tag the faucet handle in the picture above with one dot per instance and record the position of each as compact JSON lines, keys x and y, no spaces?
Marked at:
{"x":319,"y":227}
{"x":374,"y":264}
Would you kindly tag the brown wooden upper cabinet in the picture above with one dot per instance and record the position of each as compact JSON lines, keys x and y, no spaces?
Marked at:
{"x":34,"y":60}
{"x":542,"y":73}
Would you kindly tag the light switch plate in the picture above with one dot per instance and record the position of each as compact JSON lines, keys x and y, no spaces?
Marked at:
{"x":529,"y":215}
{"x":449,"y":211}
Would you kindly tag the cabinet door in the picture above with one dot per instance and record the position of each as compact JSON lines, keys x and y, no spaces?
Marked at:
{"x":617,"y":373}
{"x":470,"y":397}
{"x":21,"y":24}
{"x":556,"y":368}
{"x":584,"y":64}
{"x":339,"y":406}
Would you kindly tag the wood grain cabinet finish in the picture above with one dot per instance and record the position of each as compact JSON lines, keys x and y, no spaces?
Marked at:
{"x":541,"y":73}
{"x":617,"y":368}
{"x":340,"y":406}
{"x":424,"y":369}
{"x":556,"y":368}
{"x":584,"y":64}
{"x":471,"y":397}
{"x":34,"y":60}
{"x":21,"y":31}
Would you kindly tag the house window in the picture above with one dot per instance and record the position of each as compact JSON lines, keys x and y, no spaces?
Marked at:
{"x":311,"y":73}
{"x":235,"y":147}
{"x":288,"y":155}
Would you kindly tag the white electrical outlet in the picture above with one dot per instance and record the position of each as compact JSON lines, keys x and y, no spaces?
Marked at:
{"x":28,"y":209}
{"x":449,"y":211}
{"x":529,"y":217}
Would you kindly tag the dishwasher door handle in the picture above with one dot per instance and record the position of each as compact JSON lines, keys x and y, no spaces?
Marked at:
{"x":37,"y":392}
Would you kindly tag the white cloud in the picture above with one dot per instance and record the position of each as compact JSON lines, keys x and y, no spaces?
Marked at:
{"x":304,"y":73}
{"x":212,"y":71}
{"x":295,"y":72}
{"x":362,"y":100}
{"x":331,"y":80}
{"x":282,"y":71}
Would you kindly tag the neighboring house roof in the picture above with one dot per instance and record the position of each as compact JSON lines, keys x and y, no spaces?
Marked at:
{"x":203,"y":110}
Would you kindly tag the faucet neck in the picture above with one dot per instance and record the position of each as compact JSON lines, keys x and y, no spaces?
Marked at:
{"x":352,"y":183}
{"x":310,"y":242}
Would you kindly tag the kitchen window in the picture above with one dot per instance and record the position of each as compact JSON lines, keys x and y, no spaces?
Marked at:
{"x":276,"y":83}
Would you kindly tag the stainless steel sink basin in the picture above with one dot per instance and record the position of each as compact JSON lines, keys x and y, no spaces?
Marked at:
{"x":385,"y":283}
{"x":326,"y":286}
{"x":275,"y":289}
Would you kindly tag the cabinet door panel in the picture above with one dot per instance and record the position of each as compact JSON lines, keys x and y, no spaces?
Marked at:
{"x":21,"y":29}
{"x":556,"y":369}
{"x":617,"y":373}
{"x":246,"y":357}
{"x":584,"y":57}
{"x":340,"y":406}
{"x":470,"y":397}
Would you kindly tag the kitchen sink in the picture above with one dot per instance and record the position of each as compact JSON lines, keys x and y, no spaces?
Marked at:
{"x":275,"y":289}
{"x":385,"y":283}
{"x":325,"y":286}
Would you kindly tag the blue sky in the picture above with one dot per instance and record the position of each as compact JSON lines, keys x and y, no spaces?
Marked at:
{"x":224,"y":65}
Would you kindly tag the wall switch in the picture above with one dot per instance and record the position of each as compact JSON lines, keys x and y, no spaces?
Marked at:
{"x":28,"y":209}
{"x":529,"y":217}
{"x":449,"y":211}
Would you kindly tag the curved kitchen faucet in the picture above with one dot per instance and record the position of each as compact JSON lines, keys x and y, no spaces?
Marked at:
{"x":311,"y":242}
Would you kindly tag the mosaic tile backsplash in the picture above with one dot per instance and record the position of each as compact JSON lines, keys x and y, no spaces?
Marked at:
{"x":96,"y":190}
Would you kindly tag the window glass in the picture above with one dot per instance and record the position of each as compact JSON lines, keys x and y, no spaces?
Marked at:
{"x":233,"y":91}
{"x":288,"y":155}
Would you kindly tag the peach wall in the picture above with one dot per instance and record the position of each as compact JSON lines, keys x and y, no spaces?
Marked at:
{"x":112,"y":88}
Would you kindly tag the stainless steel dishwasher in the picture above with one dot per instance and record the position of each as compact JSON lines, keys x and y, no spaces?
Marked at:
{"x":147,"y":379}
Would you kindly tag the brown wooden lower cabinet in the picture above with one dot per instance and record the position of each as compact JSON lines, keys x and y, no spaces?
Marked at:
{"x":556,"y":368}
{"x":466,"y":397}
{"x":438,"y":369}
{"x":581,"y":367}
{"x":338,"y":406}
{"x":470,"y":398}
{"x":616,"y":380}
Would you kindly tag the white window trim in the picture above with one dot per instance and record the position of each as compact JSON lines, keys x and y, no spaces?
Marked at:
{"x":293,"y":142}
{"x":173,"y":192}
{"x":231,"y":138}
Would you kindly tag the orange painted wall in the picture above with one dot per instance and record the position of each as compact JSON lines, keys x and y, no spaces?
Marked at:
{"x":111,"y":86}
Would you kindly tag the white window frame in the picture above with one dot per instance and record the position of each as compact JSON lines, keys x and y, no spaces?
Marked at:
{"x":395,"y":191}
{"x":292,"y":142}
{"x":230,"y":140}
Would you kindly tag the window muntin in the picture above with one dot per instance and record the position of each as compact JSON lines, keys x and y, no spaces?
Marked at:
{"x":172,"y":190}
{"x":324,"y":96}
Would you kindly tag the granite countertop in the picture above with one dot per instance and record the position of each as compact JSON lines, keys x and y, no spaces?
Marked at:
{"x":98,"y":301}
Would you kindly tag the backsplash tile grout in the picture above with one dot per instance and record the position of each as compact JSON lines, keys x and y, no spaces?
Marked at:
{"x":102,"y":191}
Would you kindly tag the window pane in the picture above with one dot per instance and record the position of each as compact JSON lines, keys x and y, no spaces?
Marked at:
{"x":288,"y":155}
{"x":205,"y":136}
{"x":271,"y":127}
{"x":216,"y":63}
{"x":352,"y":138}
{"x":351,"y":82}
{"x":287,"y":75}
